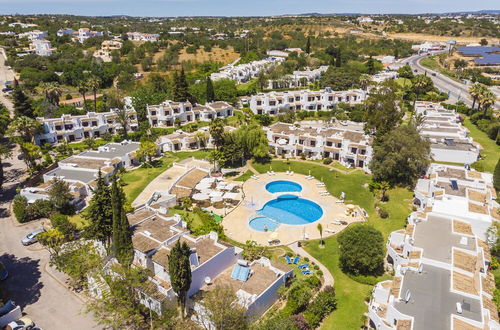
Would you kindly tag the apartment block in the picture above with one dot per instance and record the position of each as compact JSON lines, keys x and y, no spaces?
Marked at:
{"x":69,"y":128}
{"x":138,"y":36}
{"x":298,"y":78}
{"x":342,"y":141}
{"x":41,"y":47}
{"x":449,"y":140}
{"x":185,"y":141}
{"x":167,"y":113}
{"x":273,"y":103}
{"x":242,"y":73}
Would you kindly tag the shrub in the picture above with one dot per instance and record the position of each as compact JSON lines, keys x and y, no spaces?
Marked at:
{"x":41,"y":208}
{"x":327,"y":161}
{"x":316,"y":267}
{"x":61,"y":222}
{"x":303,"y":156}
{"x":382,"y":212}
{"x":306,"y":259}
{"x":361,"y":250}
{"x":19,"y":206}
{"x":324,"y":303}
{"x":300,"y":322}
{"x":319,"y":273}
{"x":313,"y":281}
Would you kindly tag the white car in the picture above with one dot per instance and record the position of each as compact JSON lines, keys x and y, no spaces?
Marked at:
{"x":24,"y":323}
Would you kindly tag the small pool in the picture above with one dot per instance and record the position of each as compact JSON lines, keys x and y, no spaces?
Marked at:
{"x":263,"y":224}
{"x":286,"y":209}
{"x":283,"y":186}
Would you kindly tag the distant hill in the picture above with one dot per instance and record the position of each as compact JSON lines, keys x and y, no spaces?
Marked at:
{"x":486,"y":11}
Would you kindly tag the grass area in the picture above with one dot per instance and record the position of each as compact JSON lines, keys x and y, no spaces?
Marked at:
{"x":78,"y":220}
{"x":244,"y":177}
{"x":491,"y":150}
{"x":350,"y":294}
{"x":187,"y":216}
{"x":433,"y":64}
{"x":81,"y":146}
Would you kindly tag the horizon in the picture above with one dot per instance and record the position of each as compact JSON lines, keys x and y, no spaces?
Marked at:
{"x":228,"y":8}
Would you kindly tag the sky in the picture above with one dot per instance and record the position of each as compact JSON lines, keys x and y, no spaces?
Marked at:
{"x":237,"y":7}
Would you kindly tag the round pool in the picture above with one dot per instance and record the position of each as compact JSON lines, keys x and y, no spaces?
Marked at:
{"x":283,"y":186}
{"x":263,"y":224}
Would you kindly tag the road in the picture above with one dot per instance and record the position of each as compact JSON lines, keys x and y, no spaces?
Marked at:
{"x":41,"y":296}
{"x":456,"y":90}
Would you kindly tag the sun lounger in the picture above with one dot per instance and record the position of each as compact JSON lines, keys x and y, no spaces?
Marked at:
{"x":320,"y":184}
{"x":306,"y":236}
{"x":336,"y":222}
{"x":309,"y":177}
{"x":306,"y":272}
{"x":296,"y":260}
{"x":303,"y":266}
{"x":292,"y":173}
{"x":288,"y":260}
{"x":255,"y":177}
{"x":287,"y":172}
{"x":331,"y":231}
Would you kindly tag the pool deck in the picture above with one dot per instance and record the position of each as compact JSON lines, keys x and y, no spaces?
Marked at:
{"x":255,"y":196}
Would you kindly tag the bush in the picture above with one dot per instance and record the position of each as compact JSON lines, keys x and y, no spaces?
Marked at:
{"x":369,"y":280}
{"x":327,"y":161}
{"x":300,"y":322}
{"x":313,"y":281}
{"x":19,"y":206}
{"x":324,"y":303}
{"x":362,"y":250}
{"x":382,"y":212}
{"x":61,"y":222}
{"x":41,"y":208}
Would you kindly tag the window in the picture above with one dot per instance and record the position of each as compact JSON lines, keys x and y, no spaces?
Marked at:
{"x":301,"y":141}
{"x":272,"y":102}
{"x":313,"y":143}
{"x":259,"y":102}
{"x":329,"y":144}
{"x":94,"y":123}
{"x":330,"y":98}
{"x":153,"y":113}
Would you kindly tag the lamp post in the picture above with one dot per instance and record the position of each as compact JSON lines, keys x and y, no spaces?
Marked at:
{"x":150,"y":302}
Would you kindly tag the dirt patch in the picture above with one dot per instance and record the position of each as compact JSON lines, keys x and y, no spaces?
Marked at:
{"x":217,"y":54}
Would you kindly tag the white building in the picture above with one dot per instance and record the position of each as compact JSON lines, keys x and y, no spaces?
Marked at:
{"x":244,"y":72}
{"x":275,"y":102}
{"x":66,"y":31}
{"x":107,"y":46}
{"x":85,"y":33}
{"x":185,"y":141}
{"x":138,"y":36}
{"x":34,"y":35}
{"x":298,"y":78}
{"x":70,"y":128}
{"x":427,"y":47}
{"x":441,"y":259}
{"x":449,"y":139}
{"x":41,"y":47}
{"x":167,"y":113}
{"x":341,"y":141}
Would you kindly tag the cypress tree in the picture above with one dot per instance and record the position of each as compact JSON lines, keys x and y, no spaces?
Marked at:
{"x":181,"y":87}
{"x":100,"y":213}
{"x":122,"y":238}
{"x":308,"y":46}
{"x":210,"y":90}
{"x":179,"y":269}
{"x":496,"y":176}
{"x":22,"y":103}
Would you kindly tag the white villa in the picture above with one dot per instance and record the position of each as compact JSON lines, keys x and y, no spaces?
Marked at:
{"x":298,"y":78}
{"x":138,"y":36}
{"x":84,"y":33}
{"x":41,"y":47}
{"x":185,"y":141}
{"x":273,"y":103}
{"x":441,"y":260}
{"x":342,"y":141}
{"x":76,"y":128}
{"x":244,"y":72}
{"x":168,"y":112}
{"x":212,"y":262}
{"x":449,"y":139}
{"x":107,"y":46}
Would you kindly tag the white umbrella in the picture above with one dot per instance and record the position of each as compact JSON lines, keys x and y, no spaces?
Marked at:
{"x":216,"y":199}
{"x":214,"y":193}
{"x":221,"y":185}
{"x":229,"y":195}
{"x":230,"y":186}
{"x":202,"y":186}
{"x":200,"y":197}
{"x":207,"y":180}
{"x":281,"y":142}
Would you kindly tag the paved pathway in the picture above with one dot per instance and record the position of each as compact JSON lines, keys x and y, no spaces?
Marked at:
{"x":327,"y":276}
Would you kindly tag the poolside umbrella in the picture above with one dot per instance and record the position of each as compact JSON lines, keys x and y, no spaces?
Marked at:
{"x":274,"y":235}
{"x":214,"y":193}
{"x":230,"y":195}
{"x":216,"y":199}
{"x":200,"y":197}
{"x":202,"y":186}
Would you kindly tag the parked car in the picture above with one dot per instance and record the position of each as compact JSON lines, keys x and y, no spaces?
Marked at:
{"x":24,"y":323}
{"x":4,"y":273}
{"x":6,"y":89}
{"x":433,"y":74}
{"x":31,"y":237}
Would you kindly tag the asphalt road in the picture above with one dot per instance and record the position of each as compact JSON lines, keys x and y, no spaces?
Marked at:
{"x":457,"y":91}
{"x":45,"y":300}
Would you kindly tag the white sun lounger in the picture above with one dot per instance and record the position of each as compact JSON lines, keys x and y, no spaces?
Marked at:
{"x":255,"y":177}
{"x":331,"y":231}
{"x":320,"y":184}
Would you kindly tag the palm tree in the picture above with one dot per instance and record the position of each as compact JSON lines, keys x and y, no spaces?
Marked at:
{"x":123,"y":118}
{"x":364,"y":81}
{"x":52,"y":92}
{"x":320,"y":229}
{"x":94,"y":83}
{"x":486,"y":100}
{"x":475,"y":91}
{"x":201,"y":138}
{"x":83,"y":88}
{"x":419,"y":83}
{"x":5,"y":153}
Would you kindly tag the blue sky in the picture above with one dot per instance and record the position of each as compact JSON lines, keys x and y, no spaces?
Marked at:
{"x":236,"y":7}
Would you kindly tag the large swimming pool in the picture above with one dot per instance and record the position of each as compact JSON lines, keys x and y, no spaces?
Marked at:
{"x":283,"y":186}
{"x":286,"y":209}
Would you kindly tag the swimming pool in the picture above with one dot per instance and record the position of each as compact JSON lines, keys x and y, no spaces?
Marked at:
{"x":283,"y":186}
{"x":263,"y":224}
{"x":286,"y":209}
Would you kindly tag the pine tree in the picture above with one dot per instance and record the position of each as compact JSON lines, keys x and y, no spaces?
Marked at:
{"x":179,"y":269}
{"x":122,"y":238}
{"x":496,"y":176}
{"x":22,"y":104}
{"x":100,"y":213}
{"x":308,"y":46}
{"x":181,"y":88}
{"x":210,"y":90}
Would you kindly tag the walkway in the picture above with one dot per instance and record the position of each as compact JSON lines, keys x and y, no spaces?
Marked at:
{"x":327,"y":276}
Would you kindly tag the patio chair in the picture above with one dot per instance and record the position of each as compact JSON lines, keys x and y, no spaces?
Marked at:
{"x":292,"y":173}
{"x":307,"y":272}
{"x":320,"y":184}
{"x":296,"y":260}
{"x":303,"y":266}
{"x":331,"y":231}
{"x":287,"y":172}
{"x":288,"y":260}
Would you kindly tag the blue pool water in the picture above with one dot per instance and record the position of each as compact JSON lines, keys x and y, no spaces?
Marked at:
{"x":283,"y":186}
{"x":286,"y":209}
{"x":262,"y":223}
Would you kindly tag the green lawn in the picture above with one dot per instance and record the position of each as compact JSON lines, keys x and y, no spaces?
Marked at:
{"x":245,"y":176}
{"x":491,"y":150}
{"x":350,"y":294}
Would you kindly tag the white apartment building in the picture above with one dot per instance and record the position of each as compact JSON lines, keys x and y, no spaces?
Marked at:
{"x":70,"y":128}
{"x":273,"y":103}
{"x":298,"y":78}
{"x":167,"y":113}
{"x":449,"y":139}
{"x":342,"y":141}
{"x":66,"y":31}
{"x":34,"y":35}
{"x":85,"y":33}
{"x":138,"y":36}
{"x":244,"y":72}
{"x":185,"y":141}
{"x":41,"y":47}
